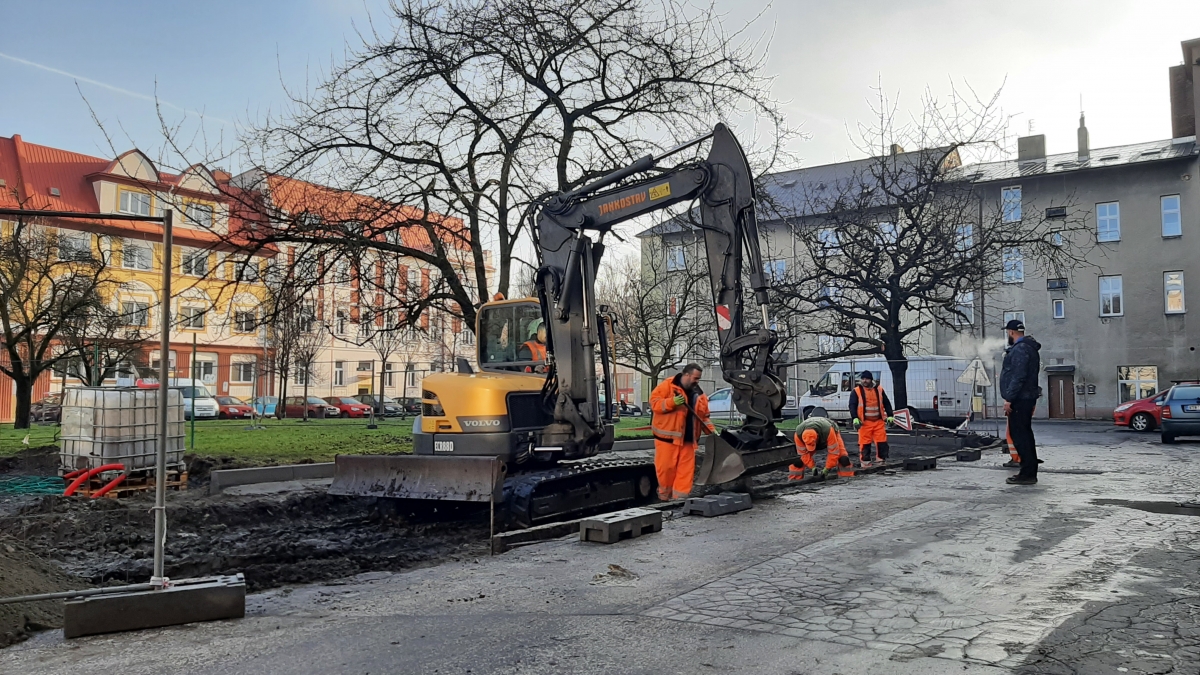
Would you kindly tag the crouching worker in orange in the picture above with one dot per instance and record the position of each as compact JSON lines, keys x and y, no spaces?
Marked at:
{"x":680,"y":412}
{"x":872,"y":413}
{"x":812,"y":436}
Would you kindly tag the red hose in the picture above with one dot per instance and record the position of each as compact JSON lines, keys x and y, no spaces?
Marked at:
{"x":85,"y":477}
{"x":73,"y":474}
{"x":111,"y":484}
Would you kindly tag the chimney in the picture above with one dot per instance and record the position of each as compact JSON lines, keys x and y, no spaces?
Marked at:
{"x":896,"y":149}
{"x":1185,"y":105}
{"x":1083,"y":138}
{"x":1031,"y":148}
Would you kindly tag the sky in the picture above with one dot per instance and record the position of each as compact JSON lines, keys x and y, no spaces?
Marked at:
{"x":230,"y":61}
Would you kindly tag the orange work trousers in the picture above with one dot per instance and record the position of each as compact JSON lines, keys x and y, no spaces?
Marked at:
{"x":833,"y":460}
{"x":676,"y":468}
{"x":872,"y":431}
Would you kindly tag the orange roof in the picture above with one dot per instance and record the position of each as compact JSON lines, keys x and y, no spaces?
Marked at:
{"x":339,"y":206}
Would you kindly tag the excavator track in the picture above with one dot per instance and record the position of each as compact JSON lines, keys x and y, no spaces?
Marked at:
{"x":577,"y":489}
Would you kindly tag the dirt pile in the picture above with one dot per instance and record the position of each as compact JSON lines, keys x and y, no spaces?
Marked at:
{"x":24,"y":574}
{"x":297,"y":538}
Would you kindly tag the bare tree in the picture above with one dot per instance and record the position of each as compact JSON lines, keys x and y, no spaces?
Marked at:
{"x":292,"y":338}
{"x":98,"y":342}
{"x":442,"y":129}
{"x":49,"y":279}
{"x":903,"y":240}
{"x":663,"y":308}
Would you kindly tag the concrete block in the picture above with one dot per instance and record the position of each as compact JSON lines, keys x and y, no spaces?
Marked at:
{"x":920,"y":463}
{"x":187,"y":601}
{"x":969,"y":455}
{"x":227,"y":478}
{"x":717,"y":505}
{"x":618,"y":525}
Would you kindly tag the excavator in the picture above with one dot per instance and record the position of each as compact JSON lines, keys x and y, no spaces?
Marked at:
{"x":529,"y":426}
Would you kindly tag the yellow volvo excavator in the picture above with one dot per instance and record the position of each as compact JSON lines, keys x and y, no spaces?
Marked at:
{"x":529,"y":424}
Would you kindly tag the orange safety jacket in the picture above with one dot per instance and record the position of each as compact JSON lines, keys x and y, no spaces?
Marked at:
{"x":669,"y":422}
{"x":536,"y":349}
{"x":870,"y":404}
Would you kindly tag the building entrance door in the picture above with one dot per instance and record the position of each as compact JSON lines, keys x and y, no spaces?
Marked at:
{"x":1062,"y":395}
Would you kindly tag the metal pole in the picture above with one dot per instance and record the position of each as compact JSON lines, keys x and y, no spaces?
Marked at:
{"x":160,"y":467}
{"x":192,"y":371}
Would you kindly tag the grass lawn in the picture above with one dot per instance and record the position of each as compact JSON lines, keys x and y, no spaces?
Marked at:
{"x":291,"y":441}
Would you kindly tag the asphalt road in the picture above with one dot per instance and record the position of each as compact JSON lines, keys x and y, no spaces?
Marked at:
{"x":946,"y":571}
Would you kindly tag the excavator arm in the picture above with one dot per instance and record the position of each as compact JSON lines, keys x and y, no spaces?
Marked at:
{"x":565,"y":281}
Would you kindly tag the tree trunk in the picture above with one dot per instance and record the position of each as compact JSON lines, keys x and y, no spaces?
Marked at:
{"x":307,"y":375}
{"x":281,"y":407}
{"x":898,"y":364}
{"x":24,"y":386}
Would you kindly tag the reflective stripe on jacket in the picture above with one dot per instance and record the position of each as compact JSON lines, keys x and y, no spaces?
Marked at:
{"x":668,"y":422}
{"x":862,"y":408}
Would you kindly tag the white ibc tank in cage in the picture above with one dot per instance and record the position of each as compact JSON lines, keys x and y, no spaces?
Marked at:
{"x":103,"y":425}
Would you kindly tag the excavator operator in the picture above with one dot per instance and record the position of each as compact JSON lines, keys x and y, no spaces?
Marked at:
{"x":534,"y":349}
{"x":812,"y":436}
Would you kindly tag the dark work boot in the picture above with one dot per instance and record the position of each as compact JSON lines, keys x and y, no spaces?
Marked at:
{"x":1021,"y":480}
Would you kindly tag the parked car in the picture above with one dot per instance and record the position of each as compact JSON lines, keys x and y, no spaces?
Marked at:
{"x":295,"y":406}
{"x":47,"y":410}
{"x":1181,"y":412}
{"x":264,"y":405}
{"x":348,"y":407}
{"x":721,"y":407}
{"x":1144,"y":414}
{"x":628,"y":409}
{"x":198,"y":401}
{"x":232,"y":408}
{"x":409,"y":404}
{"x":390,"y":407}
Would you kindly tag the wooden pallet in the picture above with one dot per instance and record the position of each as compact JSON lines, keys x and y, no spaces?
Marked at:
{"x":176,"y":480}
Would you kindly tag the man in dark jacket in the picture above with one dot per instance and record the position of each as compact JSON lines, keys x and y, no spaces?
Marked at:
{"x":1020,"y":390}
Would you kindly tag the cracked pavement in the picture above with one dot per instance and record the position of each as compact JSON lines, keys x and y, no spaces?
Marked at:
{"x":947,"y":571}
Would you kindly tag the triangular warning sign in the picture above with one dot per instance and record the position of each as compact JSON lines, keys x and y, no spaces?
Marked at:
{"x":903,"y":419}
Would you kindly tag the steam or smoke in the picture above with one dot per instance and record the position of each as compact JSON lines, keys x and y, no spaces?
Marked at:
{"x":968,"y":347}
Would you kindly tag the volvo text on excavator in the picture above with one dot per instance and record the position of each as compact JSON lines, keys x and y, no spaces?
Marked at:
{"x":528,"y":426}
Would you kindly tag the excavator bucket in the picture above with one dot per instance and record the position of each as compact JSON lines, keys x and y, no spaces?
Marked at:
{"x":726,"y":460}
{"x":722,"y":462}
{"x":461,"y":479}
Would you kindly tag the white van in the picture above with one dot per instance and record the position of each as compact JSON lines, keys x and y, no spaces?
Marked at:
{"x":933,"y":387}
{"x":198,"y":401}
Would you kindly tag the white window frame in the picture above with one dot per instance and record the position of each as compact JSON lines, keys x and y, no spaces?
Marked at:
{"x":1108,"y":225}
{"x":239,"y":325}
{"x":1170,"y":285}
{"x":1137,"y":377}
{"x":143,"y":259}
{"x":188,"y":315}
{"x":74,"y":245}
{"x":889,"y":232}
{"x":830,"y":344}
{"x":413,"y":283}
{"x":964,"y":239}
{"x":676,"y":258}
{"x":964,"y":300}
{"x":237,"y":374}
{"x":1014,"y":265}
{"x":389,"y":374}
{"x":130,"y":308}
{"x":1010,"y":204}
{"x":248,"y":269}
{"x":775,"y":270}
{"x":828,"y":238}
{"x":1172,"y":214}
{"x":126,"y":202}
{"x":206,"y":371}
{"x":1112,"y":287}
{"x":339,"y":373}
{"x":1018,"y":314}
{"x":200,"y":214}
{"x":1058,"y":308}
{"x":189,"y":258}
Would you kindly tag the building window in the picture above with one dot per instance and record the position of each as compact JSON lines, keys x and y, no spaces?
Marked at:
{"x":830,"y":344}
{"x":1058,"y":308}
{"x":672,"y":305}
{"x":1010,"y":204}
{"x":341,"y":272}
{"x":1016,"y":314}
{"x":1172,"y":222}
{"x":243,"y":372}
{"x":193,"y":317}
{"x":136,"y":255}
{"x":245,"y":321}
{"x":775,"y":270}
{"x":830,"y":295}
{"x":339,"y":373}
{"x":964,"y":239}
{"x":675,"y":258}
{"x":1014,"y":266}
{"x":339,"y":324}
{"x":247,"y":269}
{"x":827,"y":237}
{"x":200,"y":214}
{"x":302,"y":374}
{"x":1108,"y":221}
{"x":889,"y":233}
{"x":366,"y":366}
{"x":137,"y":314}
{"x":206,"y":371}
{"x":413,"y":285}
{"x":1173,"y":292}
{"x":1110,"y":296}
{"x":74,"y":246}
{"x":388,"y":374}
{"x":136,"y":203}
{"x":964,"y":309}
{"x":194,"y":262}
{"x":1135,"y":382}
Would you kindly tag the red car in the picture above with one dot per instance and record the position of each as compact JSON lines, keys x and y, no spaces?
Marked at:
{"x":1141,"y":415}
{"x":349,"y":406}
{"x":232,"y":408}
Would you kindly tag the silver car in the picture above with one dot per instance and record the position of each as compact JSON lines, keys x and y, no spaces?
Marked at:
{"x":1181,"y":412}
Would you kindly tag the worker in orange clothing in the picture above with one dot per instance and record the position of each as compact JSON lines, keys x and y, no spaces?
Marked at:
{"x":812,"y":436}
{"x":534,"y":349}
{"x":872,"y":413}
{"x":680,"y":415}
